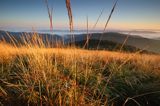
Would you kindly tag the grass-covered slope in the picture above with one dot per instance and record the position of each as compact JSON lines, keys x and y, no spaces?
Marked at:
{"x":107,"y":45}
{"x":33,"y":75}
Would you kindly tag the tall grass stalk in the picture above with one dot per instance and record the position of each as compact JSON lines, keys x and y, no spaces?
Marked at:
{"x":70,"y":16}
{"x":50,"y":15}
{"x":110,"y":15}
{"x":68,"y":6}
{"x":87,"y":38}
{"x":94,"y":26}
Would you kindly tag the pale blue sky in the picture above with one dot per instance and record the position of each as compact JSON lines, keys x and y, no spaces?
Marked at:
{"x":129,"y":14}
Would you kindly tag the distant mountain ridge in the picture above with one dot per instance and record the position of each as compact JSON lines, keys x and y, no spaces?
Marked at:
{"x":20,"y":36}
{"x":108,"y":40}
{"x":151,"y":45}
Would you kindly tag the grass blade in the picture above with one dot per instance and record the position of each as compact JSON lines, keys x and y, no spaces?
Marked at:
{"x":94,"y":26}
{"x":110,"y":15}
{"x":105,"y":27}
{"x":68,"y":6}
{"x":50,"y":13}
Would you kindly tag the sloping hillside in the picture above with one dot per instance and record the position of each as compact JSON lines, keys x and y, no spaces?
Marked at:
{"x":107,"y":45}
{"x":71,"y":76}
{"x":135,"y":41}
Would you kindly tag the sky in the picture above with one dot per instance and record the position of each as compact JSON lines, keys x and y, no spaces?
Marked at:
{"x":141,"y":15}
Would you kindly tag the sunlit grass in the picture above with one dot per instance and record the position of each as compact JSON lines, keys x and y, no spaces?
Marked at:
{"x":38,"y":75}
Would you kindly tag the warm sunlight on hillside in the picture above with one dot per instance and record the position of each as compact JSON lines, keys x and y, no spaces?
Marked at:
{"x":70,"y":76}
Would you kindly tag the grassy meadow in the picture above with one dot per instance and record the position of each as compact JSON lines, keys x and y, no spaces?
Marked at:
{"x":33,"y":74}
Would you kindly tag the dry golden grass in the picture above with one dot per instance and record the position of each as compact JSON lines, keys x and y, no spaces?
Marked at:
{"x":71,"y":76}
{"x":7,"y":51}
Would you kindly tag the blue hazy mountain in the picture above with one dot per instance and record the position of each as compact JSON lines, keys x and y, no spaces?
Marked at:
{"x":109,"y":41}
